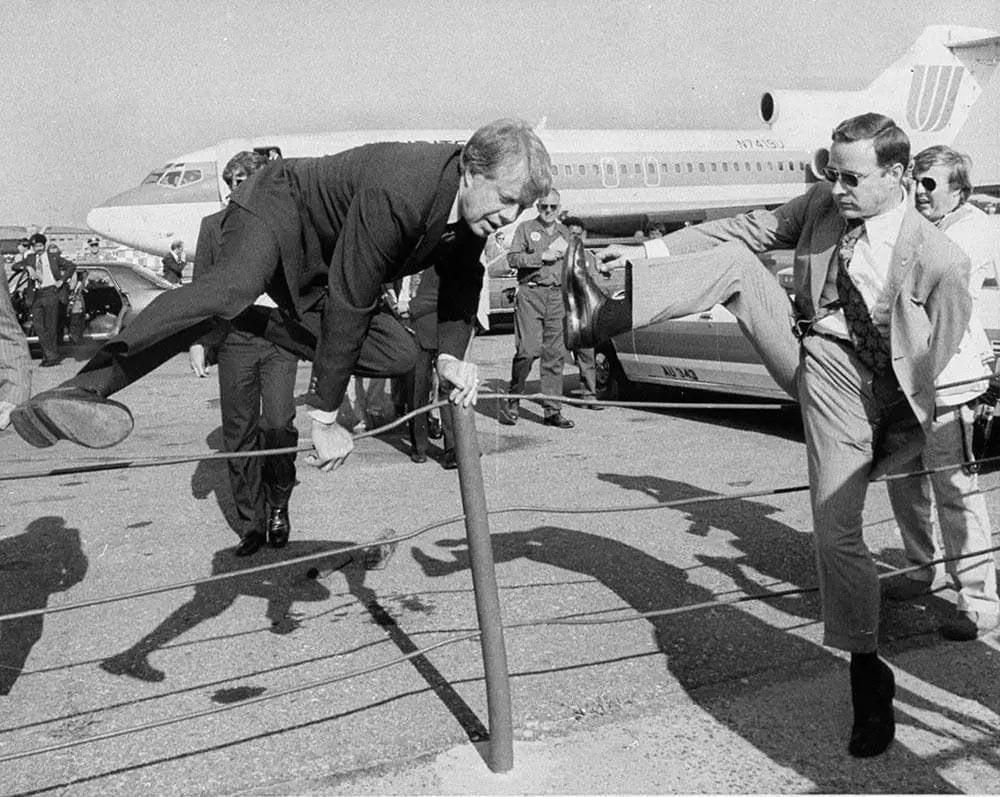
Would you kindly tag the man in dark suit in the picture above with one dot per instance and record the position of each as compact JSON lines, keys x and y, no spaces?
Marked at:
{"x":174,"y":263}
{"x":256,"y":394}
{"x":881,"y":305}
{"x":321,"y":236}
{"x":46,"y":290}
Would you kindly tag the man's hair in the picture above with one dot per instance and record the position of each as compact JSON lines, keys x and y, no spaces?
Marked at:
{"x":245,"y":160}
{"x":548,"y":193}
{"x":178,"y":244}
{"x":891,"y":144}
{"x":38,"y":238}
{"x":573,"y":221}
{"x":508,"y":143}
{"x":958,"y":164}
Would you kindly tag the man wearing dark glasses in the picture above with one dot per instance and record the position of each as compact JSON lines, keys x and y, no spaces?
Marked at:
{"x":881,"y":305}
{"x":941,"y":187}
{"x":537,"y":254}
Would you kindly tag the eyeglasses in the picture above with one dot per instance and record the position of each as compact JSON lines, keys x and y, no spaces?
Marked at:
{"x":928,"y":183}
{"x":542,"y":206}
{"x":848,"y":179}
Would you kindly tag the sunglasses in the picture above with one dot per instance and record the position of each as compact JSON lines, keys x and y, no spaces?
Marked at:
{"x":542,"y":206}
{"x":847,"y":179}
{"x":928,"y":183}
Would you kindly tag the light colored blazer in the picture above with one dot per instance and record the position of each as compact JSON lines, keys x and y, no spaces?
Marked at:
{"x":927,"y":284}
{"x":15,"y":372}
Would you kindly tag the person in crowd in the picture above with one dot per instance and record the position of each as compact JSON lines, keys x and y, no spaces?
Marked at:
{"x":321,"y":236}
{"x":174,"y":263}
{"x":46,"y":291}
{"x":93,"y":251}
{"x":941,"y":187}
{"x":420,"y":384}
{"x":537,"y":255}
{"x":881,"y":306}
{"x":15,"y":361}
{"x":256,"y":392}
{"x":76,"y":307}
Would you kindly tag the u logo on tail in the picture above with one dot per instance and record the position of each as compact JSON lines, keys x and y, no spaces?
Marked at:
{"x":932,"y":97}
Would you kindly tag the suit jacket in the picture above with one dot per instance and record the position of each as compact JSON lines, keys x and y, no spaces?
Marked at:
{"x":927,"y":283}
{"x":62,"y":269}
{"x":348,"y":223}
{"x":172,"y":268}
{"x":15,"y":373}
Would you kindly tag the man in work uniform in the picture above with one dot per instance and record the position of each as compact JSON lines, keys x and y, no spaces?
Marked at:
{"x":537,"y":254}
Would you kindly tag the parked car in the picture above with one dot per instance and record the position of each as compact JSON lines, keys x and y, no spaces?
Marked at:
{"x":113,"y":294}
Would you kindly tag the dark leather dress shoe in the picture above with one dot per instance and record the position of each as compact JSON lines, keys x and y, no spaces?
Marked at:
{"x":558,"y":421}
{"x":581,"y":297}
{"x":874,"y":720}
{"x":250,"y":544}
{"x":508,"y":412}
{"x":448,"y":461}
{"x":434,"y":431}
{"x":74,"y":414}
{"x":50,"y":363}
{"x":278,"y":526}
{"x":418,"y":457}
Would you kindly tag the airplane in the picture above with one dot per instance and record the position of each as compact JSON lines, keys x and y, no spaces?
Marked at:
{"x":619,"y":181}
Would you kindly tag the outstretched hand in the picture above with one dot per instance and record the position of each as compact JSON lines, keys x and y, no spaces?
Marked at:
{"x":333,"y":445}
{"x":5,"y":408}
{"x":614,"y":256}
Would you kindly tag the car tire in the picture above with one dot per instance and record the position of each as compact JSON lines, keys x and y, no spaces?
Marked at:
{"x":612,"y":383}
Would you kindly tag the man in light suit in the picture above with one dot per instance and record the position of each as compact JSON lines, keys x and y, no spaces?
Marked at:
{"x":47,"y":289}
{"x":941,"y":186}
{"x":881,"y":305}
{"x":321,"y":236}
{"x":15,"y":373}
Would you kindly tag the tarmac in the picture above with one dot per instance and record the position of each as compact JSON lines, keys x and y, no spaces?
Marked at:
{"x":733,"y":698}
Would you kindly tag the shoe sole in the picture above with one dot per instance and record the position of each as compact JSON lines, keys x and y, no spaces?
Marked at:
{"x":46,"y":419}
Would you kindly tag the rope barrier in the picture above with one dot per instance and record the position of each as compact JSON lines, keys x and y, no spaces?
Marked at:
{"x":584,"y":618}
{"x":573,"y":619}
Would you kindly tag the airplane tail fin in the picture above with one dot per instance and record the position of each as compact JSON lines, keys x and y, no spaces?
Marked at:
{"x":931,"y":89}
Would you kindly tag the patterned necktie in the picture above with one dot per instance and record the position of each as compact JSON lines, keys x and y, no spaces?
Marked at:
{"x":871,"y":346}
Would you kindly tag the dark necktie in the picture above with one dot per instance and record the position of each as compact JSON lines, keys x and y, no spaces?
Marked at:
{"x":872,"y":347}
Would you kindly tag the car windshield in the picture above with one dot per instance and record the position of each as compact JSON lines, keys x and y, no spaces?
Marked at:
{"x":137,"y":279}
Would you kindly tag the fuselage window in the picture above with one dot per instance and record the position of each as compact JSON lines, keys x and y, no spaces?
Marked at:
{"x":781,"y":166}
{"x":596,"y":169}
{"x":715,"y":166}
{"x":725,"y":166}
{"x":568,"y":170}
{"x":770,"y":166}
{"x":153,"y":177}
{"x":677,"y":168}
{"x":609,"y":169}
{"x":623,"y":168}
{"x":747,"y":164}
{"x":581,"y":170}
{"x":664,"y":167}
{"x":736,"y":166}
{"x":554,"y":170}
{"x":638,"y":169}
{"x":690,"y":168}
{"x":701,"y":167}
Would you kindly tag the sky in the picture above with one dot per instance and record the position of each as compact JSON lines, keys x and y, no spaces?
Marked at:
{"x":96,"y":93}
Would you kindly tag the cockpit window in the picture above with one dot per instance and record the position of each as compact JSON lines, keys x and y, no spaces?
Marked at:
{"x":171,"y":178}
{"x":175,"y":175}
{"x":153,"y":177}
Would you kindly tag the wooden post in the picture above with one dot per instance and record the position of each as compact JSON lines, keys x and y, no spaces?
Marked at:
{"x":484,"y":581}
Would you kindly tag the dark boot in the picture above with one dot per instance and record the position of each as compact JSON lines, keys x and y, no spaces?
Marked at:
{"x":872,"y":689}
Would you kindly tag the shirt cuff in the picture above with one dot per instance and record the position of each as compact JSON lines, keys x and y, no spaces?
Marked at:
{"x":656,"y":248}
{"x":446,"y":357}
{"x":322,"y":417}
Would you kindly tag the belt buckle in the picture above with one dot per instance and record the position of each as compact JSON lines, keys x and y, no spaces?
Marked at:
{"x":802,"y":327}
